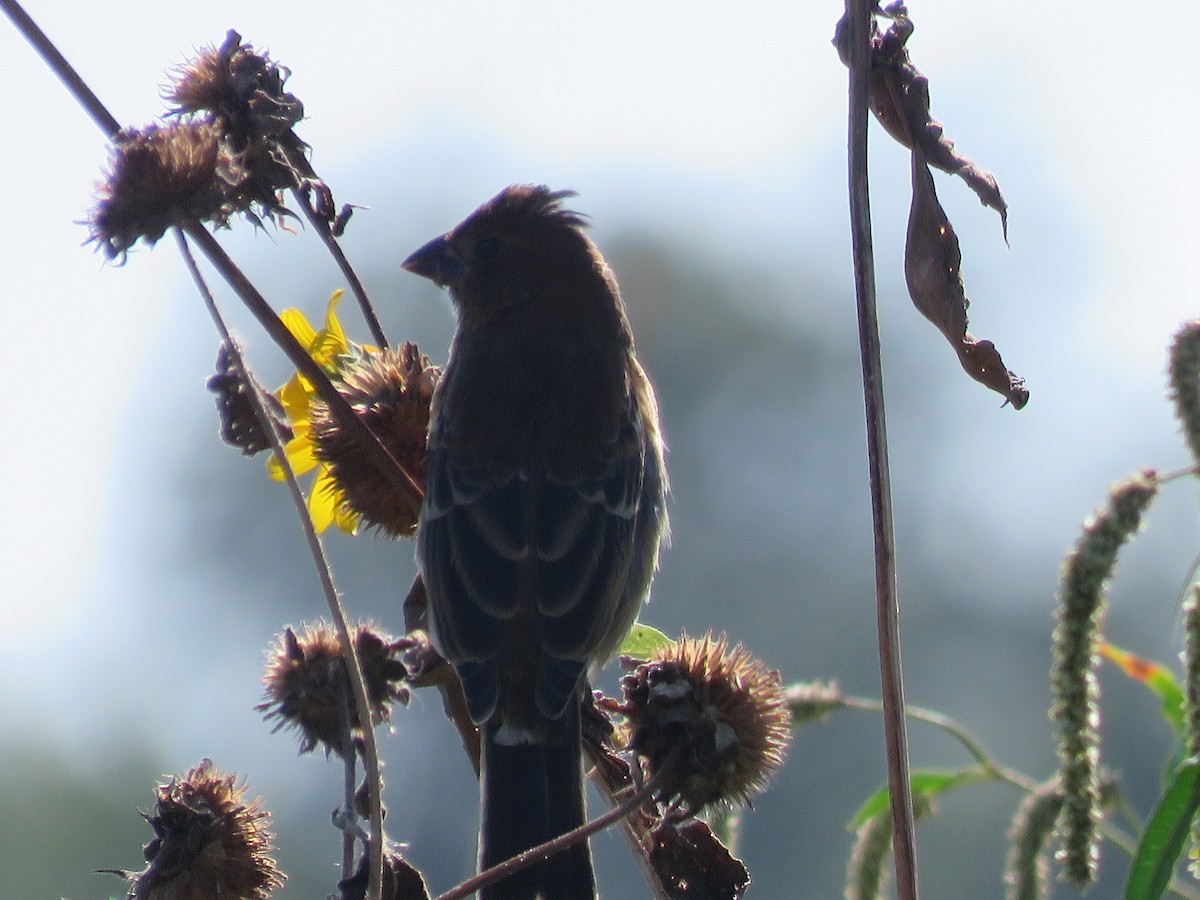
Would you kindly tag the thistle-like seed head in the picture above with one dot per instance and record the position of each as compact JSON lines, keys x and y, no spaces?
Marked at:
{"x":713,"y":720}
{"x":209,"y":842}
{"x":390,"y":390}
{"x":159,"y":177}
{"x":308,"y":687}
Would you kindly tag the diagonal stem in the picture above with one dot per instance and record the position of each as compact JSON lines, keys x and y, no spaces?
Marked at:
{"x":886,"y":602}
{"x":325,"y":233}
{"x":59,"y":66}
{"x":358,"y":685}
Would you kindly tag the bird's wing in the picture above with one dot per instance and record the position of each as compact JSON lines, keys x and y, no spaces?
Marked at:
{"x":552,"y":543}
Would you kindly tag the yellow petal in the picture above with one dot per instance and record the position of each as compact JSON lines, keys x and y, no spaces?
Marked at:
{"x":332,"y":326}
{"x":323,"y":499}
{"x":300,"y":456}
{"x":346,"y":519}
{"x":295,"y":322}
{"x":294,"y":396}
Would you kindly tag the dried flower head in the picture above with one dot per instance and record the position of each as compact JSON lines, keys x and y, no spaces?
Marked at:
{"x":401,"y":880}
{"x":235,"y":83}
{"x":390,"y":390}
{"x":242,"y":92}
{"x":163,"y":176}
{"x":308,"y":687}
{"x":209,"y":842}
{"x":715,"y":719}
{"x":240,"y":426}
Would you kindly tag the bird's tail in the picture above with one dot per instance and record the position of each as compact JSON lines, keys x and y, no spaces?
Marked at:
{"x":531,"y":794}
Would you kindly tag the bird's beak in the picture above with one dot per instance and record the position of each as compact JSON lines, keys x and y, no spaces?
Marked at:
{"x":438,"y":262}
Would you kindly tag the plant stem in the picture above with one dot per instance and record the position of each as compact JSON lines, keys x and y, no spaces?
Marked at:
{"x":957,"y":731}
{"x":548,"y":849}
{"x":59,"y":66}
{"x":887,"y":604}
{"x":357,"y":682}
{"x":325,"y":233}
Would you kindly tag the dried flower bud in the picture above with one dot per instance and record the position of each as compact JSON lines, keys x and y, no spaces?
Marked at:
{"x":714,"y":718}
{"x":243,"y":93}
{"x":209,"y":843}
{"x":161,"y":177}
{"x":240,"y":86}
{"x":401,"y":880}
{"x":812,"y":701}
{"x":308,"y":687}
{"x":240,"y":426}
{"x":390,"y":390}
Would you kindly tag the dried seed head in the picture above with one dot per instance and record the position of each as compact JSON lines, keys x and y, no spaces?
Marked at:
{"x":238,"y":85}
{"x":390,"y":390}
{"x":209,"y":842}
{"x":240,"y":426}
{"x":242,"y":92}
{"x":161,"y":177}
{"x":716,"y":719}
{"x":308,"y":688}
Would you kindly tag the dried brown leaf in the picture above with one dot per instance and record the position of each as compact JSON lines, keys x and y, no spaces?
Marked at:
{"x":900,"y":101}
{"x":693,"y":865}
{"x":932,"y":268}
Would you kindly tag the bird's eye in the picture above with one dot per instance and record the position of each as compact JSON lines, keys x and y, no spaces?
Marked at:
{"x":487,"y":247}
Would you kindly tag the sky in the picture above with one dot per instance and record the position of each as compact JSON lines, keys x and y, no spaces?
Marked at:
{"x":726,"y":115}
{"x":722,"y":123}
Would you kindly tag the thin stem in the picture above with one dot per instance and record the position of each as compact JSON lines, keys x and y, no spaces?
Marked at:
{"x":548,"y":849}
{"x":957,"y":731}
{"x":887,"y":604}
{"x":349,"y":778}
{"x":356,"y":286}
{"x":353,"y":666}
{"x":59,"y":66}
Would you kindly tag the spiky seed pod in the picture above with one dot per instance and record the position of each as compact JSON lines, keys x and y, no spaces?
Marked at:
{"x":1076,"y":691}
{"x":308,"y":686}
{"x":209,"y":842}
{"x":1026,"y":866}
{"x":714,"y":721}
{"x":240,"y":426}
{"x":390,"y":390}
{"x":1185,"y":383}
{"x":163,"y":176}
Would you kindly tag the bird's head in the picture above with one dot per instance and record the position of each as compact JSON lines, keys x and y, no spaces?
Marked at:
{"x":505,"y":252}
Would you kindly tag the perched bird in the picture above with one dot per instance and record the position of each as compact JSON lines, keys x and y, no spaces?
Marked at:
{"x":543,"y":513}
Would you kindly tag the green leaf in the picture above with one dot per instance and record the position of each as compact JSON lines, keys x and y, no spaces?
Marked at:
{"x":927,"y":783}
{"x":642,"y":641}
{"x":1157,"y":678}
{"x":1166,"y":833}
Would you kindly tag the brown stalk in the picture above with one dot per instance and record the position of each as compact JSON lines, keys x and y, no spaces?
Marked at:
{"x":886,"y":602}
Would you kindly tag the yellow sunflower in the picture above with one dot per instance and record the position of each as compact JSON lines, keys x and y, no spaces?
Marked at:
{"x":329,"y":347}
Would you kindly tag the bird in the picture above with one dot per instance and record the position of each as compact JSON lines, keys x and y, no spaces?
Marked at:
{"x":544,"y":510}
